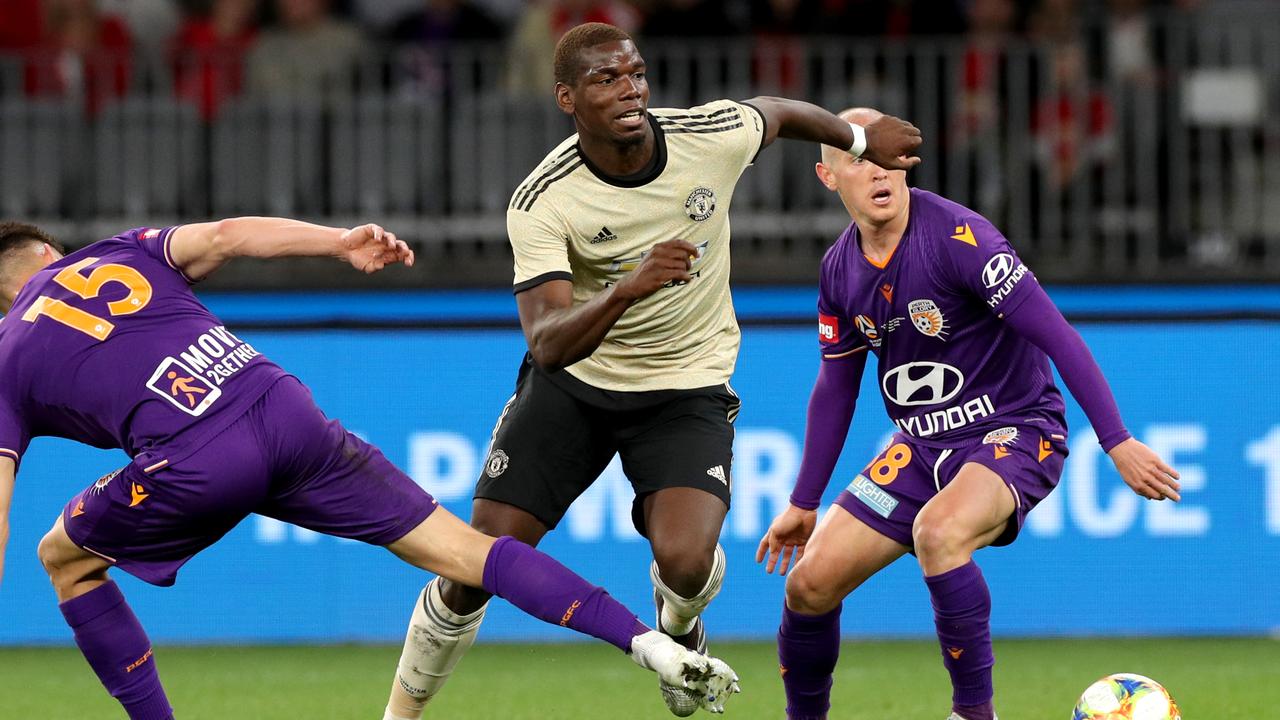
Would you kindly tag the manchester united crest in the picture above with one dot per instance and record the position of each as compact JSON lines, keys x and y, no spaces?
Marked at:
{"x":496,"y":464}
{"x":700,"y":204}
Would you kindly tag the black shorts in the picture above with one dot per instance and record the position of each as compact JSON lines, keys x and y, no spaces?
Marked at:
{"x":557,"y":434}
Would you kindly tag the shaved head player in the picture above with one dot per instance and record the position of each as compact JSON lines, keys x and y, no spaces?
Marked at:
{"x":621,"y":243}
{"x":963,"y":335}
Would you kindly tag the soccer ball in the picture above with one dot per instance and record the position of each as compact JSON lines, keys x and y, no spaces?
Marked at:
{"x":1126,"y":697}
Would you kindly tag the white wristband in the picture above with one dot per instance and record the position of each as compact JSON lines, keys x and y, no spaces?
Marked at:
{"x":859,"y":140}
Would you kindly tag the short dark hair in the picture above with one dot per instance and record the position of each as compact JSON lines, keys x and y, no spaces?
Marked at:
{"x":15,"y":234}
{"x":568,"y":51}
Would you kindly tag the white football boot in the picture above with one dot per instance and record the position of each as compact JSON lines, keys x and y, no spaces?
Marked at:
{"x":681,"y":701}
{"x":710,"y":679}
{"x":954,"y":716}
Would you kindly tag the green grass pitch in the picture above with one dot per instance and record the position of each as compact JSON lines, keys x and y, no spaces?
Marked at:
{"x":1212,"y":679}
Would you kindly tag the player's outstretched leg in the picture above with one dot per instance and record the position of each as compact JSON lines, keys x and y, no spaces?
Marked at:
{"x":437,"y":639}
{"x":106,"y":630}
{"x":447,"y":618}
{"x":542,"y":587}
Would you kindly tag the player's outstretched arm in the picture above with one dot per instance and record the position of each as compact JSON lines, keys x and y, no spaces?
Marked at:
{"x":7,"y":472}
{"x":560,"y":333}
{"x":831,"y":405}
{"x":201,"y":248}
{"x":890,"y":143}
{"x":1037,"y":319}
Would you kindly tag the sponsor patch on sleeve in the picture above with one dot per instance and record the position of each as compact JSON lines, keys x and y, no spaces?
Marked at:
{"x":828,"y":328}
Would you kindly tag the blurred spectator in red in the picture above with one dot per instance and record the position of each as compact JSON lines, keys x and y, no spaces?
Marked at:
{"x":81,"y":54}
{"x":21,"y":25}
{"x":1072,"y":123}
{"x":991,"y":24}
{"x":309,"y":52}
{"x":533,"y":43}
{"x":209,"y":52}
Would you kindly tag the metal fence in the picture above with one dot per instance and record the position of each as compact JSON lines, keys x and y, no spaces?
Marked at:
{"x":1148,"y":154}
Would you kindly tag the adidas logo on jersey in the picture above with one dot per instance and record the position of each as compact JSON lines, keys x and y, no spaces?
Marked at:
{"x":717,"y":472}
{"x":603,"y":236}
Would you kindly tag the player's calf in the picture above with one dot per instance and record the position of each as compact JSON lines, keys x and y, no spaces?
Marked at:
{"x":808,"y":649}
{"x":117,"y":648}
{"x":437,"y":639}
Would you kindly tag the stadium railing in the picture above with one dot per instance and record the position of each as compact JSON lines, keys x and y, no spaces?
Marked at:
{"x":1151,"y":155}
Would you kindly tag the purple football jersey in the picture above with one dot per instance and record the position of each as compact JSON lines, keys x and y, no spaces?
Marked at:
{"x":949,"y":368}
{"x":108,"y":346}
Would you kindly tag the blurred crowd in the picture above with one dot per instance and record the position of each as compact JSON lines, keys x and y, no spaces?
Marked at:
{"x":222,"y":48}
{"x":214,"y":51}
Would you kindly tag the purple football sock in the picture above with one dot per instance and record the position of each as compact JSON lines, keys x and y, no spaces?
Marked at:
{"x":118,"y":650}
{"x":808,"y":647}
{"x":549,"y":591}
{"x":962,"y":613}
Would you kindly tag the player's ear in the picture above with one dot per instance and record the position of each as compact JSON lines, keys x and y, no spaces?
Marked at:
{"x":825,"y":176}
{"x":564,"y":98}
{"x":49,"y":254}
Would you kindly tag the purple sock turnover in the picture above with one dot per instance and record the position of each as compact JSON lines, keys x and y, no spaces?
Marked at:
{"x":962,"y":613}
{"x":549,"y":591}
{"x":808,"y":647}
{"x":118,"y":650}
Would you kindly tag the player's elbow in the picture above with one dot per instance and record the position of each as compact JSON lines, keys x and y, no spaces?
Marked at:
{"x":228,"y":238}
{"x":548,"y":358}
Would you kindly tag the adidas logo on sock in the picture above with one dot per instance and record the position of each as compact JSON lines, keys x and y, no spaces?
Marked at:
{"x":603,"y":236}
{"x":717,"y":472}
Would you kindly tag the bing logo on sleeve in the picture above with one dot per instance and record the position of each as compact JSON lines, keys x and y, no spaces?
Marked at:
{"x":178,"y":384}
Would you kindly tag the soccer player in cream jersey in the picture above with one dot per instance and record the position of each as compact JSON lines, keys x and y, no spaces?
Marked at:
{"x":621,"y":243}
{"x":963,"y":334}
{"x":109,"y":346}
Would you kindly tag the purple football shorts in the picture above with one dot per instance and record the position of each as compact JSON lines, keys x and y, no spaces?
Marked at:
{"x":889,"y":493}
{"x":283,"y":459}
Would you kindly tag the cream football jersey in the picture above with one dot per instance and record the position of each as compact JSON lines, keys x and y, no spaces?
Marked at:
{"x":570,"y":221}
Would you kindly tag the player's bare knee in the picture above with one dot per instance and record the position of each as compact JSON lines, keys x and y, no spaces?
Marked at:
{"x":809,"y":595}
{"x":66,"y":564}
{"x":683,"y":571}
{"x":52,"y":551}
{"x":498,"y":519}
{"x":938,"y":537}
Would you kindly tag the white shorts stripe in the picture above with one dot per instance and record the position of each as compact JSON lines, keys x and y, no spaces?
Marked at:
{"x":937,"y":483}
